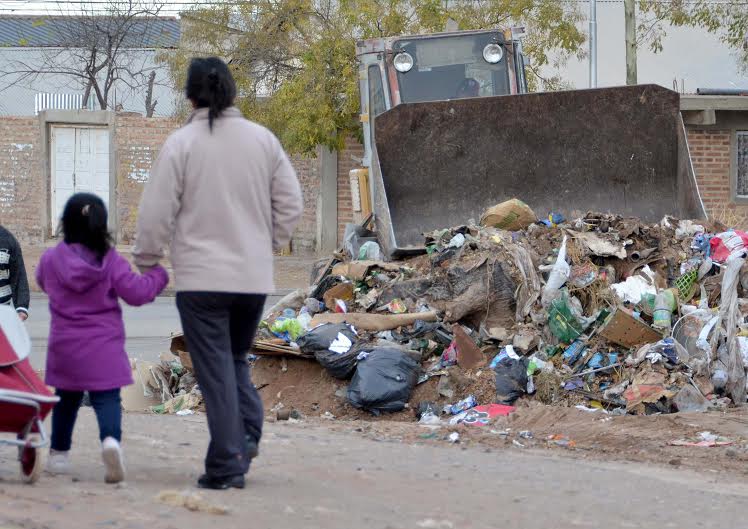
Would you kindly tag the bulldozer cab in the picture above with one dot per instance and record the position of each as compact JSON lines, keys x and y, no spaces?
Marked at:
{"x":450,"y":130}
{"x":438,"y":67}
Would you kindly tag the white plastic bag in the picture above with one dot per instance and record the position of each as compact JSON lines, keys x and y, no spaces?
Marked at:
{"x":635,"y":286}
{"x":558,"y":277}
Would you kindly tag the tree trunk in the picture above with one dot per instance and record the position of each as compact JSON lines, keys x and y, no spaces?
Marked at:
{"x":86,"y":95}
{"x":630,"y":15}
{"x":150,"y":104}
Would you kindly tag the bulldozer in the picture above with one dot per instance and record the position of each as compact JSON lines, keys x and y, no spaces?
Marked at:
{"x":451,"y":129}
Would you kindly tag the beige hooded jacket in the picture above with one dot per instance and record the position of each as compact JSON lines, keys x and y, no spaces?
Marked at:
{"x":223,"y":199}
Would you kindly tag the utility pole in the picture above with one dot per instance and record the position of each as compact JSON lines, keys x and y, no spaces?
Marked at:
{"x":593,"y":43}
{"x":629,"y":9}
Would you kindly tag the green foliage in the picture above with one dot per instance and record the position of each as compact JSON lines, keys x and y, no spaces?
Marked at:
{"x":295,"y":63}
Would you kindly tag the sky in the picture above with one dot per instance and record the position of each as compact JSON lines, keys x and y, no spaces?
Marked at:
{"x":690,"y":54}
{"x":693,"y":55}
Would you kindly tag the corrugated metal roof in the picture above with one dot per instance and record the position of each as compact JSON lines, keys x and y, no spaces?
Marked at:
{"x":63,"y":31}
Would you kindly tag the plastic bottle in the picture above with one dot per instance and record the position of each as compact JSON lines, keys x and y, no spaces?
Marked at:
{"x":664,"y":306}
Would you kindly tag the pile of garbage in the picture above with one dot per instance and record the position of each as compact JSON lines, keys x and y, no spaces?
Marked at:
{"x":166,"y":386}
{"x":599,"y":312}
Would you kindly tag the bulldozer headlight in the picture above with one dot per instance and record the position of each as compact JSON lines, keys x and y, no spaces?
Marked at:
{"x":493,"y":53}
{"x":403,"y":62}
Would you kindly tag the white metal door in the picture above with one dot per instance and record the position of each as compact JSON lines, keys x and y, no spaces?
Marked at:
{"x":80,"y":163}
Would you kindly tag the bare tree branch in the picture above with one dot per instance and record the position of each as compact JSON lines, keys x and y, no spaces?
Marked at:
{"x":98,"y":48}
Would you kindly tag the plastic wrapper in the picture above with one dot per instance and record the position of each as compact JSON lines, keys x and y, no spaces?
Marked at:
{"x":287,"y":328}
{"x":723,"y":245}
{"x":464,"y":405}
{"x":562,"y":322}
{"x":370,"y":251}
{"x":557,"y":278}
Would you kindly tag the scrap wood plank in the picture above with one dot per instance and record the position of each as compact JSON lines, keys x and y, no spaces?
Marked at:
{"x":265,"y":347}
{"x":374,"y":322}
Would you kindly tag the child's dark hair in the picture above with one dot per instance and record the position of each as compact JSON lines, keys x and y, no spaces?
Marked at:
{"x":210,"y":85}
{"x":84,"y":221}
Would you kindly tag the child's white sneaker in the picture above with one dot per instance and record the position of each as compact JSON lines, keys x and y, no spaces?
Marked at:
{"x":111,"y":453}
{"x":58,"y":462}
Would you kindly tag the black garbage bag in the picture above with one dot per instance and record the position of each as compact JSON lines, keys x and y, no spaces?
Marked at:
{"x":329,"y":345}
{"x":511,"y":380}
{"x":383,"y":380}
{"x":326,"y":284}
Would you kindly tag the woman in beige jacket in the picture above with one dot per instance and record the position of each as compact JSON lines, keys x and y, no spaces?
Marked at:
{"x":224,"y":195}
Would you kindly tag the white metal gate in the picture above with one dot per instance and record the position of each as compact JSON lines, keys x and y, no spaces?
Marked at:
{"x":79,"y":163}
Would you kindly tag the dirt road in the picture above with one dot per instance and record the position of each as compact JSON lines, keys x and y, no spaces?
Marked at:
{"x":318,"y":474}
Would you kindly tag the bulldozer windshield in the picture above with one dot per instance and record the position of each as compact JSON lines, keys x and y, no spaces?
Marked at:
{"x":453,"y":67}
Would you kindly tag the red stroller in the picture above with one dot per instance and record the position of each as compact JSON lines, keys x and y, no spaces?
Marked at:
{"x":24,"y":399}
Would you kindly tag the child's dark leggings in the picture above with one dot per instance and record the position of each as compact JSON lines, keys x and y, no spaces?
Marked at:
{"x":108,"y":410}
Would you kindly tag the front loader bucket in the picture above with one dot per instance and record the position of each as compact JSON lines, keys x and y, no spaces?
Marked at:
{"x":619,"y":150}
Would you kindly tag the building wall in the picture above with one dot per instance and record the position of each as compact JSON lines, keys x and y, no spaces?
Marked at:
{"x":305,"y":237}
{"x":348,"y":159}
{"x":711,"y":158}
{"x":23,"y":184}
{"x":21,"y":188}
{"x":138,"y":141}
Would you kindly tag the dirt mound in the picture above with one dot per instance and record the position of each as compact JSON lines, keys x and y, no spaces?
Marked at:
{"x":303,"y":385}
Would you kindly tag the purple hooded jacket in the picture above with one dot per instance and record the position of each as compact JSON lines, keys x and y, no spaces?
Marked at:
{"x":86,"y":349}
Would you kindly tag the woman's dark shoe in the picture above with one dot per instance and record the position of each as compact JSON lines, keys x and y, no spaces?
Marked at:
{"x":220,"y":483}
{"x":253,"y":447}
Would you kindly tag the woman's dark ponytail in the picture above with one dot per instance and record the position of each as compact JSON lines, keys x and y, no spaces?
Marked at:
{"x":210,"y":85}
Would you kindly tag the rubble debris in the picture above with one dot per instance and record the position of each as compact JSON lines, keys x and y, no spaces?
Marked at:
{"x":526,"y":340}
{"x":189,"y":401}
{"x":375,"y":322}
{"x":481,"y":415}
{"x":599,"y":246}
{"x":139,"y":396}
{"x":340,"y":292}
{"x":625,"y":330}
{"x":690,"y":399}
{"x":288,"y":415}
{"x":703,"y":439}
{"x":469,"y":356}
{"x":599,"y":312}
{"x":358,"y":270}
{"x":294,"y":300}
{"x":512,"y":215}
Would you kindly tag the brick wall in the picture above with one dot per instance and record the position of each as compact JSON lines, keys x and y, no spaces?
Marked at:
{"x":305,"y":236}
{"x":138,"y":141}
{"x":21,"y":189}
{"x":23,"y":184}
{"x":348,"y":159}
{"x":710,"y":154}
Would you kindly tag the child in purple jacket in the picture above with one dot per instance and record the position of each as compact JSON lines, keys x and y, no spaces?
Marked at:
{"x":84,"y":277}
